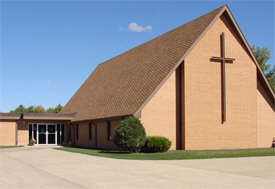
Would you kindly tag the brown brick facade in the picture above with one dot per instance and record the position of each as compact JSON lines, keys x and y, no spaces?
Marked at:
{"x":7,"y":133}
{"x":159,"y":115}
{"x":203,"y":124}
{"x":265,"y":118}
{"x":102,"y":142}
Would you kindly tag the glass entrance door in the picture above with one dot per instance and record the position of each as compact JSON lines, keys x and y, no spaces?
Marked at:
{"x":47,"y":133}
{"x":51,"y":134}
{"x":42,"y":139}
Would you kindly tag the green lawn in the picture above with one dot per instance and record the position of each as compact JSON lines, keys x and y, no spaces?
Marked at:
{"x":10,"y":146}
{"x":170,"y":155}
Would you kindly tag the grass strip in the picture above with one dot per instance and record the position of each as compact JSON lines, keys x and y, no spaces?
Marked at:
{"x":11,"y":146}
{"x":173,"y":154}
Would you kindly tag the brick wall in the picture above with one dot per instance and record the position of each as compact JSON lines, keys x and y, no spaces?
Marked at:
{"x":7,"y":133}
{"x":265,"y":119}
{"x":102,"y":142}
{"x":159,"y":115}
{"x":203,"y":127}
{"x":23,"y":133}
{"x":83,"y":136}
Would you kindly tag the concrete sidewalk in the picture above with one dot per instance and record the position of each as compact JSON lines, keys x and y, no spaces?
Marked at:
{"x":43,"y":167}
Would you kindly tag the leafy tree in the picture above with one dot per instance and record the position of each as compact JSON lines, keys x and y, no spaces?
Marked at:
{"x":57,"y":109}
{"x":19,"y":109}
{"x":130,"y":134}
{"x":263,"y":55}
{"x":36,"y":109}
{"x":271,"y":77}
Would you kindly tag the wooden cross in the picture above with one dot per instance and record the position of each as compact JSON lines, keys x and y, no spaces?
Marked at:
{"x":223,"y":61}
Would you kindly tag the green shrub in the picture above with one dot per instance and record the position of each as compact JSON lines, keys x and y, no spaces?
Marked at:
{"x":155,"y":144}
{"x":32,"y":142}
{"x":130,"y":134}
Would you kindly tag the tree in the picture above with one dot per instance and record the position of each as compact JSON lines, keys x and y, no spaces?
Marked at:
{"x":263,"y":55}
{"x":36,"y":109}
{"x":130,"y":134}
{"x":57,"y":109}
{"x":19,"y":109}
{"x":271,"y":78}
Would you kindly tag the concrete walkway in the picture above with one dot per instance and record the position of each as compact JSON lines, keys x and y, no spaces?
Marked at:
{"x":43,"y":167}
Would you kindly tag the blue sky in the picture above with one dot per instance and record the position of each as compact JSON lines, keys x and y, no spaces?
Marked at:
{"x":49,"y":48}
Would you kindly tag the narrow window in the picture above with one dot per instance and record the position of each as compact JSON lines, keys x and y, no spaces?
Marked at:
{"x":76,"y":132}
{"x":63,"y":133}
{"x":34,"y":131}
{"x":30,"y":131}
{"x":108,"y":130}
{"x":90,"y":131}
{"x":58,"y":134}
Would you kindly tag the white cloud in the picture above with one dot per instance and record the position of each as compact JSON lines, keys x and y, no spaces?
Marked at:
{"x":136,"y":28}
{"x":51,"y":84}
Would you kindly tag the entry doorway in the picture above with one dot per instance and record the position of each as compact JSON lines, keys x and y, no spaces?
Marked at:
{"x":47,"y":133}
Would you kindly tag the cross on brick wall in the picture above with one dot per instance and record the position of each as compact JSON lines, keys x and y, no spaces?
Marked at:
{"x":223,"y":61}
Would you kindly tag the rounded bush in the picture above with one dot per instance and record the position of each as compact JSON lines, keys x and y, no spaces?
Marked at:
{"x":155,"y":144}
{"x":130,"y":134}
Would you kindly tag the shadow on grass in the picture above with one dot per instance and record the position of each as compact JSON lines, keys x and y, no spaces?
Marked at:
{"x":99,"y":150}
{"x":114,"y":152}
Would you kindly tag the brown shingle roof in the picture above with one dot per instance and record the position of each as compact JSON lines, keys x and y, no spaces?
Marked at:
{"x":120,"y":86}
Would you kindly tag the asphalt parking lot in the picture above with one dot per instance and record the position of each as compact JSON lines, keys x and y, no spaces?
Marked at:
{"x":43,"y":167}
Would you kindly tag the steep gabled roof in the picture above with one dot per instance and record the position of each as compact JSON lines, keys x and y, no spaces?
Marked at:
{"x":122,"y":85}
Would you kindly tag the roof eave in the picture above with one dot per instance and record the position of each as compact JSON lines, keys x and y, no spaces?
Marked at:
{"x":259,"y":69}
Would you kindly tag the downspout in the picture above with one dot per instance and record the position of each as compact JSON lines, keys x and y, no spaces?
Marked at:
{"x":95,"y":133}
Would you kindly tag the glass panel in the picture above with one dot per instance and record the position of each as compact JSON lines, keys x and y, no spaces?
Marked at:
{"x":42,"y":134}
{"x":51,"y":135}
{"x":51,"y":129}
{"x":34,"y":131}
{"x":51,"y":139}
{"x":58,"y":133}
{"x":62,"y":133}
{"x":30,"y":132}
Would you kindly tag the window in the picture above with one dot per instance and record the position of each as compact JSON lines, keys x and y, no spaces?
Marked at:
{"x":90,"y":131}
{"x":76,"y":132}
{"x":30,"y":132}
{"x":108,"y":130}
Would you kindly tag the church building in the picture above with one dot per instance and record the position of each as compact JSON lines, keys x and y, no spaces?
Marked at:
{"x":199,"y":85}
